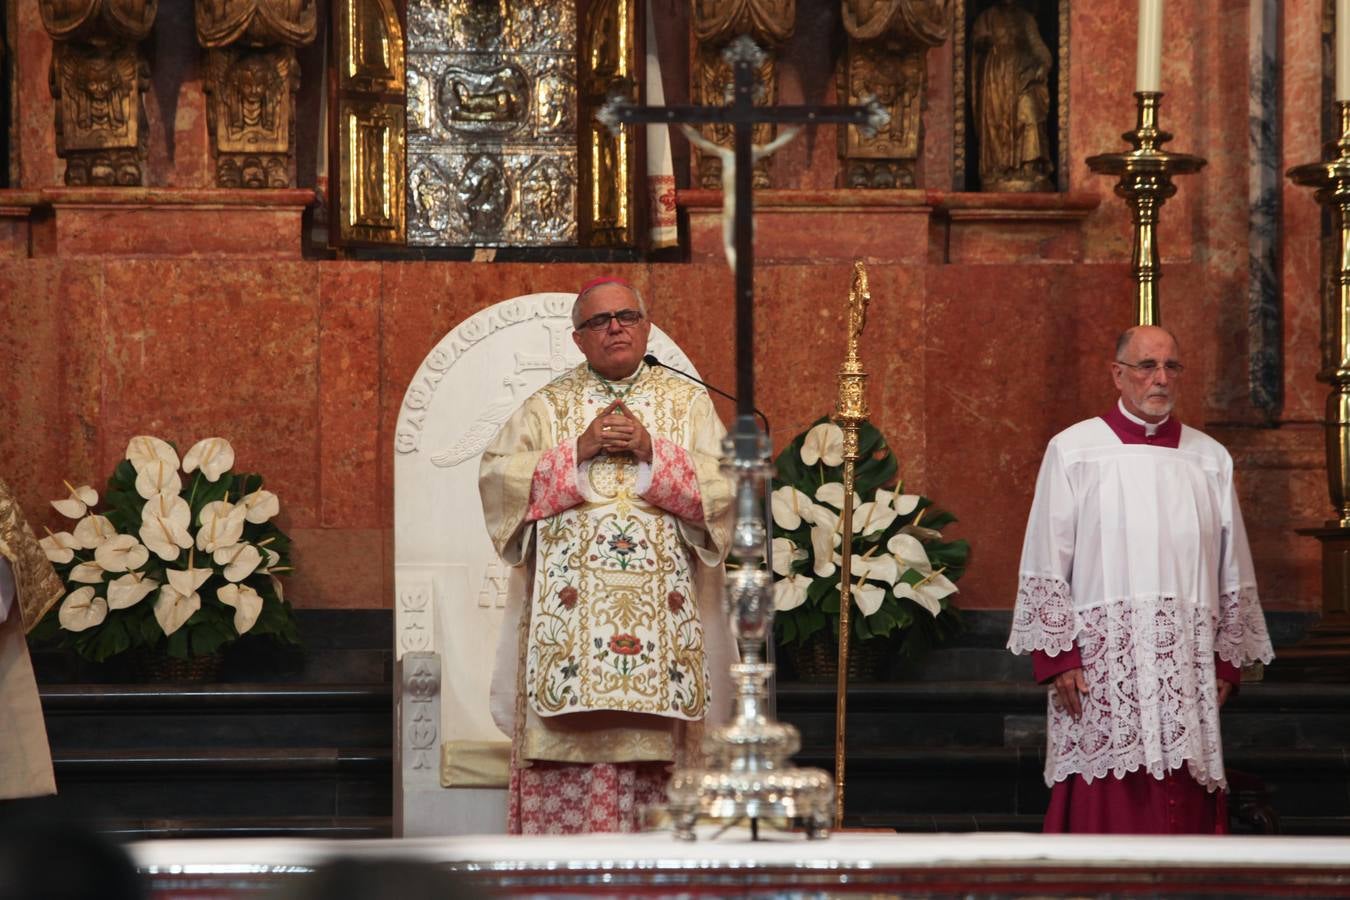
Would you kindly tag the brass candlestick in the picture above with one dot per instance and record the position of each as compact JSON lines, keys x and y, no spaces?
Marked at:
{"x":1325,"y":653}
{"x":1145,"y":183}
{"x":1331,"y":180}
{"x":850,"y":413}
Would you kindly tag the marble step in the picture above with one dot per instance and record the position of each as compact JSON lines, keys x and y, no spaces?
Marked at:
{"x":1300,"y":784}
{"x":109,"y":717}
{"x":1000,"y":714}
{"x":225,"y":782}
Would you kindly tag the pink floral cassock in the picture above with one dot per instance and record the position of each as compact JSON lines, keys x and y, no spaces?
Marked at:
{"x":566,"y":798}
{"x":554,"y":487}
{"x":674,"y":485}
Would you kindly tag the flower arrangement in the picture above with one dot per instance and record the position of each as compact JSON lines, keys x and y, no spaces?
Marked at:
{"x":178,"y":562}
{"x":902,"y":569}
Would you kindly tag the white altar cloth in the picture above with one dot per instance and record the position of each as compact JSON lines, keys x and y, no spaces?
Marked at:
{"x":781,"y":864}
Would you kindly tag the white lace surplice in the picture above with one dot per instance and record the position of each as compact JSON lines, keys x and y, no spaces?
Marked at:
{"x":1138,"y":555}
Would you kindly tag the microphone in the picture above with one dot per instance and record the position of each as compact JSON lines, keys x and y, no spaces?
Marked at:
{"x":651,"y":360}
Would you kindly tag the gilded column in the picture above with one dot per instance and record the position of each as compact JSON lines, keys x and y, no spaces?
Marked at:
{"x":252,"y":77}
{"x":717,"y":23}
{"x":99,"y":76}
{"x":888,"y":41}
{"x":609,"y":63}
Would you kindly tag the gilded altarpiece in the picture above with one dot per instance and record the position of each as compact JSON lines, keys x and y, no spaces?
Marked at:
{"x":99,"y":76}
{"x":492,"y":122}
{"x":369,"y":132}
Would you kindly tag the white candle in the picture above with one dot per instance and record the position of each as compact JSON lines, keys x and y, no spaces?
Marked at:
{"x":1343,"y":49}
{"x":1148,"y":71}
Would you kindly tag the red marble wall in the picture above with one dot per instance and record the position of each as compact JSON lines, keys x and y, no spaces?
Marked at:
{"x":990,"y":329}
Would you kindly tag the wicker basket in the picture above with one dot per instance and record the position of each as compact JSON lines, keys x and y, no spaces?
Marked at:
{"x":161,"y":668}
{"x":817,"y":658}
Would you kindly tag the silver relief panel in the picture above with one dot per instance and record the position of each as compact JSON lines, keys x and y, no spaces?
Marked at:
{"x":492,"y":129}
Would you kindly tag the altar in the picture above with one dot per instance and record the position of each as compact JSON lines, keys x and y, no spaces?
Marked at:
{"x":656,"y":865}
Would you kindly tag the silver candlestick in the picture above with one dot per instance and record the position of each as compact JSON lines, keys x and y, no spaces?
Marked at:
{"x":748,"y":774}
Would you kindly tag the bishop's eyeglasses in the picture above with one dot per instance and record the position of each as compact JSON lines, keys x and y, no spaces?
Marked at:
{"x":600,"y":321}
{"x":1148,"y":368}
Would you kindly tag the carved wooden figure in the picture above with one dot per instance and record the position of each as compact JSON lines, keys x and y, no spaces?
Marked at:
{"x":251,"y":81}
{"x":98,"y":78}
{"x":716,"y":23}
{"x":885,"y":59}
{"x":1010,"y":97}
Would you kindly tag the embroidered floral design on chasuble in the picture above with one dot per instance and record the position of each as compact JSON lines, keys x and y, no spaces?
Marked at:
{"x":609,"y":625}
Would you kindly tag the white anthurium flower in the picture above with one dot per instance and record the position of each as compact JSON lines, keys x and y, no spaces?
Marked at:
{"x":876,"y":568}
{"x":823,"y":541}
{"x":276,"y":585}
{"x":222,"y":524}
{"x":904,"y":504}
{"x":247,"y":604}
{"x":239,"y":560}
{"x":179,"y":599}
{"x":121,"y":553}
{"x":212,"y":455}
{"x":261,"y":505}
{"x":164,"y":521}
{"x":824,"y":443}
{"x":81,"y":610}
{"x":790,"y":593}
{"x":832,"y":492}
{"x":927,"y":593}
{"x":785,"y":553}
{"x":868,"y":597}
{"x":169,"y":507}
{"x":86,"y":573}
{"x":144,"y":449}
{"x":270,"y":557}
{"x":78,"y":503}
{"x":129,"y":589}
{"x":92,"y":531}
{"x":158,"y":477}
{"x":825,"y":518}
{"x":59,"y":547}
{"x":871,"y":517}
{"x":910,"y":553}
{"x":790,"y":506}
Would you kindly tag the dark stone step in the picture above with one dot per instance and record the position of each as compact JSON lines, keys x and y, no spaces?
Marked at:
{"x":999,"y":714}
{"x":262,"y":715}
{"x":222,"y":782}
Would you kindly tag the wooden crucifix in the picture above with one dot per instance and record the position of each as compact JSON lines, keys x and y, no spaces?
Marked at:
{"x":745,"y":59}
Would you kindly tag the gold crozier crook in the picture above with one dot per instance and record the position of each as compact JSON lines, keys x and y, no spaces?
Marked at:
{"x":850,"y":413}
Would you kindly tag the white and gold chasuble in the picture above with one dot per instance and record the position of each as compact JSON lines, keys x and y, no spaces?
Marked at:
{"x":614,"y":603}
{"x":613,"y":624}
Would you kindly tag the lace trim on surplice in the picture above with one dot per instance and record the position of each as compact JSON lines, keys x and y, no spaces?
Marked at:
{"x":1152,"y":702}
{"x":1043,"y":618}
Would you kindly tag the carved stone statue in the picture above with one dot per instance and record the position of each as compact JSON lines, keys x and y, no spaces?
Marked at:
{"x":251,"y":81}
{"x":1010,"y":97}
{"x":98,"y":78}
{"x":885,"y":59}
{"x":716,"y":23}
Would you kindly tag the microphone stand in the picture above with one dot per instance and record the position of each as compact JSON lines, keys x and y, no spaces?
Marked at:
{"x":770,"y":645}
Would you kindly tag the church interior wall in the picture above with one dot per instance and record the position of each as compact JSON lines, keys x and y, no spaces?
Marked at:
{"x":975,"y":360}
